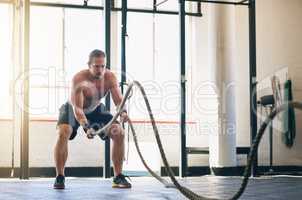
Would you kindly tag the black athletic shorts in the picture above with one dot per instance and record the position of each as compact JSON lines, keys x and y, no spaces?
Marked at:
{"x":97,"y":118}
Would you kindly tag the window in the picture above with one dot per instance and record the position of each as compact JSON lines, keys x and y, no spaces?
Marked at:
{"x":47,"y":60}
{"x":83,"y":33}
{"x":5,"y":60}
{"x":152,"y":55}
{"x":61,"y":40}
{"x":153,"y":59}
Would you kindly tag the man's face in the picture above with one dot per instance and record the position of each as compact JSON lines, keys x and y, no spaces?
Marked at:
{"x":97,"y":66}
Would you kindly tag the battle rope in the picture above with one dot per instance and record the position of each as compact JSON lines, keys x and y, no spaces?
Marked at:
{"x":184,"y":190}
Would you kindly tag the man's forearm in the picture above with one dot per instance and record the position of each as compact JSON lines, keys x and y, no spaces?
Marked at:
{"x":80,"y":116}
{"x":123,"y":108}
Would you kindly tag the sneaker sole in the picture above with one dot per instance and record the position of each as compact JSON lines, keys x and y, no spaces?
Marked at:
{"x":120,"y":186}
{"x":59,"y":187}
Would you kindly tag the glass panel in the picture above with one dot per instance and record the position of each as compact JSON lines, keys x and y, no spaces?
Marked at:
{"x":46,"y":38}
{"x":46,"y":47}
{"x":5,"y":60}
{"x":167,"y":64}
{"x":152,"y":58}
{"x":83,"y":33}
{"x":53,"y":67}
{"x":168,"y":5}
{"x":5,"y":96}
{"x":140,"y":58}
{"x":67,"y":36}
{"x":53,"y":98}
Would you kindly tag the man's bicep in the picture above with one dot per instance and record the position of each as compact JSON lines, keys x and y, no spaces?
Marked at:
{"x":78,"y":99}
{"x":77,"y":104}
{"x":116,"y":95}
{"x":115,"y":91}
{"x":77,"y":96}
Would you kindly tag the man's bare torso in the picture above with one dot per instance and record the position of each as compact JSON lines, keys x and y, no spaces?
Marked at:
{"x":93,"y":89}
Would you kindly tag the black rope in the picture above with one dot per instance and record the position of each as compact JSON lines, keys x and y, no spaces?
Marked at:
{"x":184,"y":190}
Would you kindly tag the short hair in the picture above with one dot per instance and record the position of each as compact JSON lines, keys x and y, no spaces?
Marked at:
{"x":96,"y":54}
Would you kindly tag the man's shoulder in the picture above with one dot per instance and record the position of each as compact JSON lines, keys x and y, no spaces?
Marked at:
{"x":109,"y":75}
{"x":80,"y":76}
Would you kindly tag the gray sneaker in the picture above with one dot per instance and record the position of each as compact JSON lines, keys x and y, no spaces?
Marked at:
{"x":120,"y":181}
{"x":59,"y":182}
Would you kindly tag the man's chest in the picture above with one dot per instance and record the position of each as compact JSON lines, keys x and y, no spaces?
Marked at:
{"x":96,"y":89}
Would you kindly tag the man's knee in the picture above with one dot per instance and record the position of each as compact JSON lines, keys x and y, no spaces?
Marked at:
{"x":116,"y":132}
{"x":64,"y":131}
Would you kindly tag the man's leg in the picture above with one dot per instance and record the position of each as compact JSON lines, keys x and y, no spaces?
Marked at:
{"x":61,"y":148}
{"x":118,"y":147}
{"x":117,"y":135}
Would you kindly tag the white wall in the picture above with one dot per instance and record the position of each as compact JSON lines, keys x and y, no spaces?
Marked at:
{"x":278,"y":52}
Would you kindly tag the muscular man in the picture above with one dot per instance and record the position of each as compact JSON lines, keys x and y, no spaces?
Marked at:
{"x":84,"y":109}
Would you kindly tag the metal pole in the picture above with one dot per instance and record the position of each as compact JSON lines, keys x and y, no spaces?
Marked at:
{"x":271,"y":143}
{"x":154,"y":39}
{"x":123,"y":44}
{"x":199,"y":8}
{"x":107,"y":10}
{"x":24,"y":163}
{"x":63,"y":40}
{"x":15,"y":63}
{"x":154,"y":5}
{"x":182,"y":29}
{"x":164,"y":12}
{"x":137,"y":10}
{"x":253,"y":79}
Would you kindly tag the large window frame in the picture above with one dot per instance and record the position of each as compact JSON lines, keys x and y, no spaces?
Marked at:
{"x":64,"y":7}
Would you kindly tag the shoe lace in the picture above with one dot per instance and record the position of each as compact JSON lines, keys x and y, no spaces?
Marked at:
{"x":60,"y":178}
{"x":125,"y":176}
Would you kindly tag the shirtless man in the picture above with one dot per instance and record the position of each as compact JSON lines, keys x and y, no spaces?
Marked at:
{"x":84,"y":109}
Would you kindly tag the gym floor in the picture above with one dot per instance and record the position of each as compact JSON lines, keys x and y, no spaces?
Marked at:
{"x":277,"y":187}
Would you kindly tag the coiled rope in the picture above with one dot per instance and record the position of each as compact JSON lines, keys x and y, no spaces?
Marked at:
{"x":184,"y":190}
